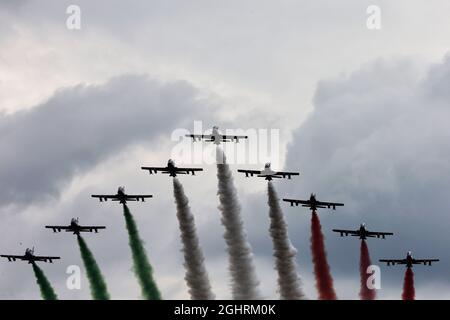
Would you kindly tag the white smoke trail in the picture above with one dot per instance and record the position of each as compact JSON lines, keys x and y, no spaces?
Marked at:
{"x":288,"y":280}
{"x":196,"y":275}
{"x":244,"y":283}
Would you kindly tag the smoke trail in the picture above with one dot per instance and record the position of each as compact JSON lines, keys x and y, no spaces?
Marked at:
{"x":288,"y":280}
{"x":409,"y":293}
{"x":141,"y":266}
{"x":244,"y":283}
{"x":324,"y":281}
{"x":47,"y":292}
{"x":97,"y":284}
{"x":196,"y":275}
{"x":364,"y":262}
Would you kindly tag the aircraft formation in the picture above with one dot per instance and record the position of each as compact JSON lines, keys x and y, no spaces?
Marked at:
{"x":362,"y":233}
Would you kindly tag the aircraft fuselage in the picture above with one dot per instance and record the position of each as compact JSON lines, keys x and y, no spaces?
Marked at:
{"x":29,"y":256}
{"x":362,"y":233}
{"x":409,"y":260}
{"x":215,"y":135}
{"x":121,"y":196}
{"x":75,"y":228}
{"x":313,"y":203}
{"x":172,"y":168}
{"x":268,"y":173}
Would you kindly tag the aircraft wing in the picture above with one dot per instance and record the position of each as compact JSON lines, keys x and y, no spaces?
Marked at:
{"x":153,"y":170}
{"x":104,"y":197}
{"x":138,"y":197}
{"x":424,"y":261}
{"x":187,"y":170}
{"x":44,"y":258}
{"x":198,"y":137}
{"x":12,"y":257}
{"x":249,"y":172}
{"x":377,"y":234}
{"x":59,"y":228}
{"x":297,"y":202}
{"x":226,"y":137}
{"x":286,"y":174}
{"x":347,"y":232}
{"x":330,"y":204}
{"x":91,"y":228}
{"x":394,"y":261}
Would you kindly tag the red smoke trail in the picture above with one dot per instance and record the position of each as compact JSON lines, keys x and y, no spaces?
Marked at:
{"x":324,"y":281}
{"x":409,"y":292}
{"x":365,"y":293}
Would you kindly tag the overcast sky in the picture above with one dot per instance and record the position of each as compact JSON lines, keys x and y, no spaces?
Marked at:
{"x":362,"y":114}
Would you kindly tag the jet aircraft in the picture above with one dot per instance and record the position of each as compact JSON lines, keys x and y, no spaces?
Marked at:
{"x":216,"y":137}
{"x":268,"y":174}
{"x":171,"y":169}
{"x":75,"y":227}
{"x":121,"y":196}
{"x":313,"y":203}
{"x":30,"y":257}
{"x":409,"y":261}
{"x":363,"y":233}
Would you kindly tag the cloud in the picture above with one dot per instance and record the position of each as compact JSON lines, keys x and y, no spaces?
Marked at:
{"x":378,"y":141}
{"x":42,"y":149}
{"x":258,"y":60}
{"x":273,"y":74}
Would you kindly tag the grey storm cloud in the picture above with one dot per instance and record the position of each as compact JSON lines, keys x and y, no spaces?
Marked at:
{"x":44,"y":148}
{"x":378,"y":140}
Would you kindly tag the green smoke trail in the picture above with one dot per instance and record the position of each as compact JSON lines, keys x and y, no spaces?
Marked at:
{"x":47,"y":291}
{"x":97,"y":284}
{"x":141,"y":266}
